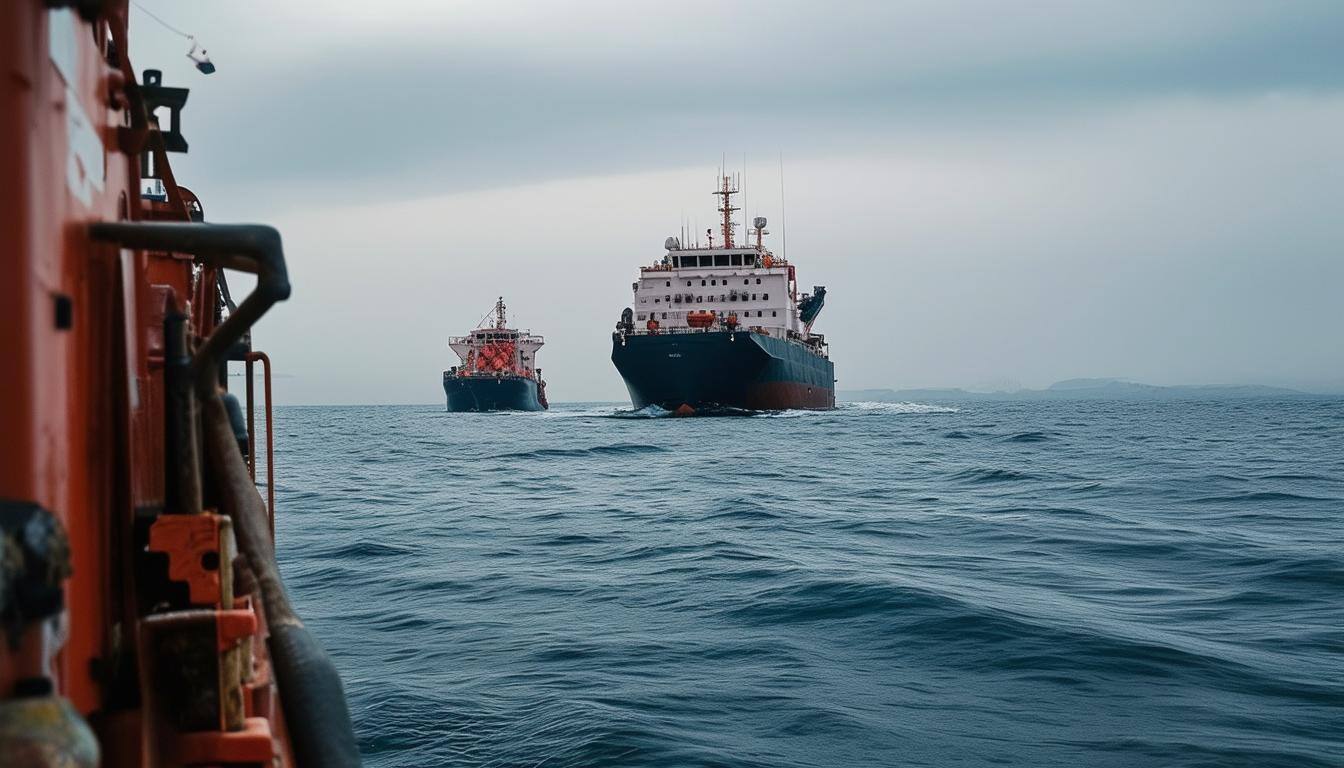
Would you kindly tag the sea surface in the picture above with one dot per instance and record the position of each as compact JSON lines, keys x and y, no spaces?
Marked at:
{"x":914,"y":584}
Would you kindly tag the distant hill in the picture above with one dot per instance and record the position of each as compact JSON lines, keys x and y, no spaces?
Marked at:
{"x":1075,"y":389}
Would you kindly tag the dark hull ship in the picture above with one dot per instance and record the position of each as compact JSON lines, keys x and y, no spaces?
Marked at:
{"x":497,"y":371}
{"x":723,"y":327}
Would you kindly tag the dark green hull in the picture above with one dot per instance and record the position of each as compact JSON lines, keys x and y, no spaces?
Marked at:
{"x":491,"y":393}
{"x":723,"y":369}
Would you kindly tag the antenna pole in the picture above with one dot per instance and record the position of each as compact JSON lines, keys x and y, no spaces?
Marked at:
{"x":746,"y":233}
{"x":783,"y":222}
{"x":727,"y":190}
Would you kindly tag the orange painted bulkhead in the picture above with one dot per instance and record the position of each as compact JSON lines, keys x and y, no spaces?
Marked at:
{"x":84,"y":391}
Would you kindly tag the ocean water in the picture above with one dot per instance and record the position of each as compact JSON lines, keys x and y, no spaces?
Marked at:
{"x":1007,"y":584}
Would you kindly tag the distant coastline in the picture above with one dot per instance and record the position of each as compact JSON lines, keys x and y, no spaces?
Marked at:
{"x":1080,"y":389}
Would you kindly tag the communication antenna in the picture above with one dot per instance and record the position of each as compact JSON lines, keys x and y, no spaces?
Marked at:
{"x":742,"y":191}
{"x":783,"y":222}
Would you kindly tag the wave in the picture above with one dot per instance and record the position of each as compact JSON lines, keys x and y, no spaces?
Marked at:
{"x":856,"y":408}
{"x":647,"y":412}
{"x":894,"y":408}
{"x":1260,"y":496}
{"x":956,"y":630}
{"x":1029,"y":437}
{"x":985,"y":476}
{"x":363,"y":550}
{"x":619,"y":449}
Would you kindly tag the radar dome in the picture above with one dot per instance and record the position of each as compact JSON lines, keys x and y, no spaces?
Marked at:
{"x":672,"y":244}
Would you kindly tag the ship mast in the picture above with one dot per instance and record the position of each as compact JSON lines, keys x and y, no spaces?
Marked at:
{"x":499,"y":314}
{"x":726,"y":208}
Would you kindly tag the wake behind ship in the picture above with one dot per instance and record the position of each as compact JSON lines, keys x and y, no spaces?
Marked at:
{"x":496,"y":371}
{"x":723,"y":327}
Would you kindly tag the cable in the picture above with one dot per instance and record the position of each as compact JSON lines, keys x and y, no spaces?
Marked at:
{"x":165,"y":24}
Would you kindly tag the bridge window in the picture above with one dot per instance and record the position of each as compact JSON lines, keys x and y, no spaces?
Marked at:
{"x":774,"y":313}
{"x":640,"y":316}
{"x":720,"y":259}
{"x":736,"y":260}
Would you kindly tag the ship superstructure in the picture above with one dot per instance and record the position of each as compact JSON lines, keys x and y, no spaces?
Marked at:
{"x":497,"y":369}
{"x":723,"y":325}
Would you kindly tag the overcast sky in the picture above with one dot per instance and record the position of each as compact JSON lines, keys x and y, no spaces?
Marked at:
{"x":995,"y":194}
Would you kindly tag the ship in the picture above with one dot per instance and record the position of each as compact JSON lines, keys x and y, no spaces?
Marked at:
{"x":718,"y":328}
{"x":497,"y":368}
{"x":143,"y":618}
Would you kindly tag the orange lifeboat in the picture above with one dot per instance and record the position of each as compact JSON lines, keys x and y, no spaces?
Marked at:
{"x":700,"y":319}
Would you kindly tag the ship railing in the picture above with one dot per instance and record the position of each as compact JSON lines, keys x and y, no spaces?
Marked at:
{"x":250,"y":358}
{"x":459,"y":372}
{"x":514,"y":335}
{"x":815,"y":342}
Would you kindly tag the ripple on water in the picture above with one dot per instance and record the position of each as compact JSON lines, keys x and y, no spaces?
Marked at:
{"x":991,"y":583}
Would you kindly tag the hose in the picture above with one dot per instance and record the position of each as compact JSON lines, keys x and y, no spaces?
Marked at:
{"x":311,"y":695}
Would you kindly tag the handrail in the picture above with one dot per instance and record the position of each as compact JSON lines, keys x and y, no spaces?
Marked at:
{"x":250,"y":358}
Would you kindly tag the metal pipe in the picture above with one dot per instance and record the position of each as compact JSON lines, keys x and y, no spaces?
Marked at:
{"x":270,"y":440}
{"x":254,"y":248}
{"x":251,"y":425}
{"x":183,"y":446}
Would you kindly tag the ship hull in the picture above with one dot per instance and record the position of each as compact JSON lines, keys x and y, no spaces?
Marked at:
{"x":722,"y":369}
{"x":491,"y":393}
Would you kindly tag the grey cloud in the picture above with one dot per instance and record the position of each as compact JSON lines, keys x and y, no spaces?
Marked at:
{"x":442,"y":111}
